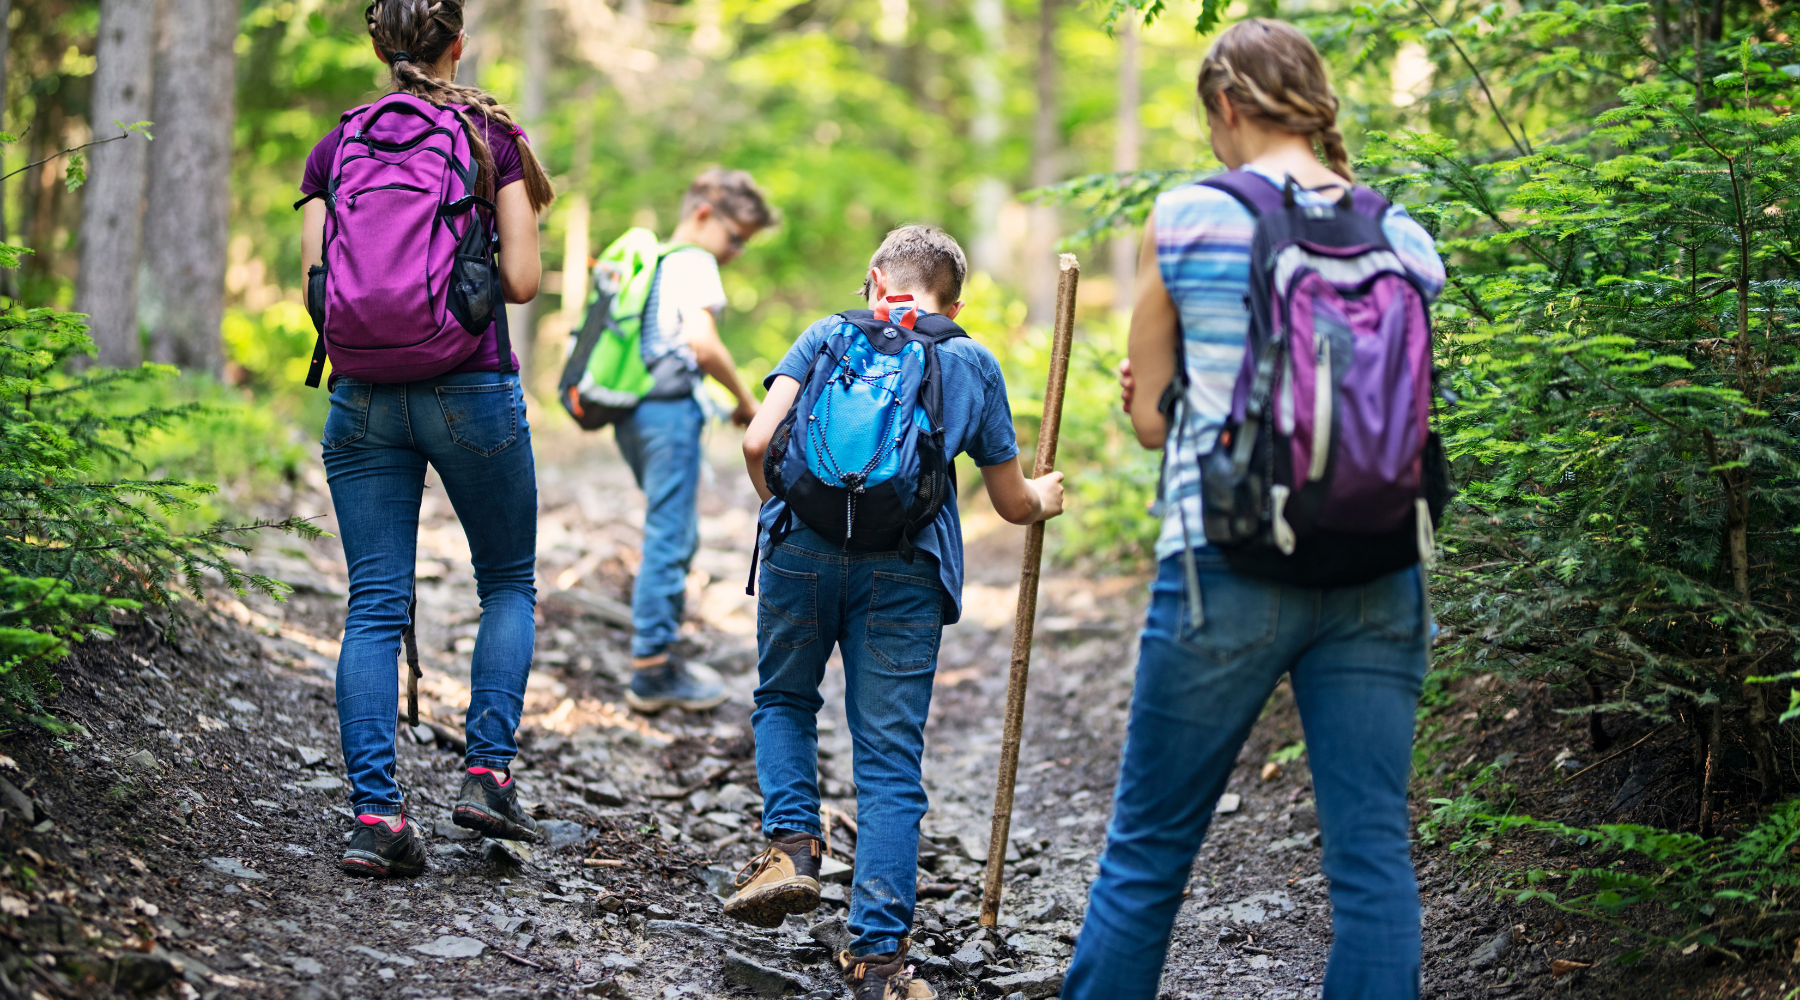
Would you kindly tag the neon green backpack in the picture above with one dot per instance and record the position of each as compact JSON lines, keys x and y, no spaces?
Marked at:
{"x":605,"y":377}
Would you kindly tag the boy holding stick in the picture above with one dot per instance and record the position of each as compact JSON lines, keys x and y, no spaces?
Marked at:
{"x":862,"y":549}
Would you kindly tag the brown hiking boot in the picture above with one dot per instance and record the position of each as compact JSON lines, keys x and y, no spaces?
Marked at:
{"x":783,"y":879}
{"x":884,"y":977}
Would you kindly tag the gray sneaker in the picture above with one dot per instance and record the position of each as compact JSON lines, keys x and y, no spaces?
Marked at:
{"x":675,"y":684}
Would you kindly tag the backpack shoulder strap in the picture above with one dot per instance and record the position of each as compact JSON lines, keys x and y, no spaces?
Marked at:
{"x":939,"y":327}
{"x":1370,"y":202}
{"x":1254,"y":191}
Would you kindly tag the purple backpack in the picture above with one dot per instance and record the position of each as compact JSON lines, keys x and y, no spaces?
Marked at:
{"x":1327,"y":473}
{"x":409,"y":287}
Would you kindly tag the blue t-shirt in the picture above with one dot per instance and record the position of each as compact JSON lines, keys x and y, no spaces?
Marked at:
{"x":977,"y":422}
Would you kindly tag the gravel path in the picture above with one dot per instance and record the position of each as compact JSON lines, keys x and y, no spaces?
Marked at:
{"x":214,"y":864}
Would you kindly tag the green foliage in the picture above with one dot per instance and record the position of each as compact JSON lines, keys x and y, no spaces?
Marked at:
{"x":1618,"y":330}
{"x":1476,"y":798}
{"x":1288,"y":754}
{"x":77,"y":541}
{"x":1725,"y":893}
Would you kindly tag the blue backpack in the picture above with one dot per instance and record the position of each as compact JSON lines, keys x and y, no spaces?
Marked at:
{"x":860,"y":457}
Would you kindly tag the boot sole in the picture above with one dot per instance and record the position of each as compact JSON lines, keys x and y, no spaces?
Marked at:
{"x":770,"y":905}
{"x":365,"y":868}
{"x":488,"y":825}
{"x":650,"y":706}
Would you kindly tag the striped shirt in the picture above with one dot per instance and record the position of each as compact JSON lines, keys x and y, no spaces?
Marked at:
{"x":1203,"y":240}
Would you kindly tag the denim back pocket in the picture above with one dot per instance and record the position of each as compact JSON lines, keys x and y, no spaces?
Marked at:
{"x":481,"y":418}
{"x":787,"y":607}
{"x":906,"y":621}
{"x":348,"y":419}
{"x":1238,"y":615}
{"x":1393,"y":606}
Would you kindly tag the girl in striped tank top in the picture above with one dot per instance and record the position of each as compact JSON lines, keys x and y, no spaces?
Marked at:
{"x":1356,"y":655}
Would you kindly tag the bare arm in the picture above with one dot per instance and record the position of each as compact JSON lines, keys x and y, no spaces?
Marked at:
{"x":775,"y":406}
{"x":702,"y":333}
{"x":520,"y":266}
{"x":312,"y":233}
{"x":1154,"y":341}
{"x":1020,"y":500}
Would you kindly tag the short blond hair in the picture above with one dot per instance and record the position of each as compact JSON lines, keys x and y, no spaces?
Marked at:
{"x":924,"y":258}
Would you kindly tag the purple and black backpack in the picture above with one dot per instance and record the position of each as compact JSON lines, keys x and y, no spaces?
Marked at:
{"x":1327,"y":472}
{"x":409,"y":286}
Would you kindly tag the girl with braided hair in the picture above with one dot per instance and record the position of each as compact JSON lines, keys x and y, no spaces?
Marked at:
{"x":467,"y":423}
{"x":1355,"y":655}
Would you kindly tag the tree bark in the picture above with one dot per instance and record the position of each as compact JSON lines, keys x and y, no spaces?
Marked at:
{"x":9,"y":280}
{"x":1125,"y":158}
{"x":522,"y":319}
{"x":988,"y":251}
{"x":1040,"y":258}
{"x":112,"y":207}
{"x":468,"y":72}
{"x":186,"y":218}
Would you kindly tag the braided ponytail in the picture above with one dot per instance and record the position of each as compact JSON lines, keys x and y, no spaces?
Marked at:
{"x":413,"y":35}
{"x":1271,"y":72}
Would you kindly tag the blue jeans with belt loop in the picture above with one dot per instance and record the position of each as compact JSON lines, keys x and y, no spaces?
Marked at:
{"x":887,"y":617}
{"x":378,"y":439}
{"x":1357,"y":657}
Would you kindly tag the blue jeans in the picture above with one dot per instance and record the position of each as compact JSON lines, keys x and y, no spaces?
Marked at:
{"x":887,"y":617}
{"x":1356,"y":656}
{"x":378,"y":438}
{"x":661,"y":442}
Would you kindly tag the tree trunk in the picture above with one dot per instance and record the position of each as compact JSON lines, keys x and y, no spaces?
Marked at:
{"x":1125,"y":158}
{"x":112,"y":208}
{"x":185,"y":225}
{"x":522,"y":319}
{"x":1040,"y":257}
{"x":44,"y":188}
{"x":468,"y":72}
{"x":987,"y":249}
{"x":575,"y":225}
{"x":9,"y":281}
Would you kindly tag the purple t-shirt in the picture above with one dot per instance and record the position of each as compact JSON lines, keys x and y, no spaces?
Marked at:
{"x":507,"y":163}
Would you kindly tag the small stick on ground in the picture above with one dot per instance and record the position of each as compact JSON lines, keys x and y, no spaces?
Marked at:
{"x":602,"y":863}
{"x":522,"y":960}
{"x":1026,"y":616}
{"x":840,"y":816}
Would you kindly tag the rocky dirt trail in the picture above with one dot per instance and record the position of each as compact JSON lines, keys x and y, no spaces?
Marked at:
{"x":182,"y":840}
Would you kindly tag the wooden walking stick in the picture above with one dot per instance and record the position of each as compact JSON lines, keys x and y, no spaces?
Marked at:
{"x":412,"y":658}
{"x":1026,"y":617}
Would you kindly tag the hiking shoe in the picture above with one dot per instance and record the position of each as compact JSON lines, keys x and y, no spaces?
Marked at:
{"x":884,"y":977}
{"x":675,"y":684}
{"x":489,"y":804}
{"x":377,"y":850}
{"x":783,"y":879}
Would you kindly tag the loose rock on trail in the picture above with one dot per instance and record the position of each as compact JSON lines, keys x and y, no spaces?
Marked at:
{"x":182,"y":841}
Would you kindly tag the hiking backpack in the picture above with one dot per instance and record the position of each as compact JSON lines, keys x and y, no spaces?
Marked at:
{"x":1327,"y":472}
{"x":409,"y":284}
{"x":860,"y":456}
{"x":604,"y":377}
